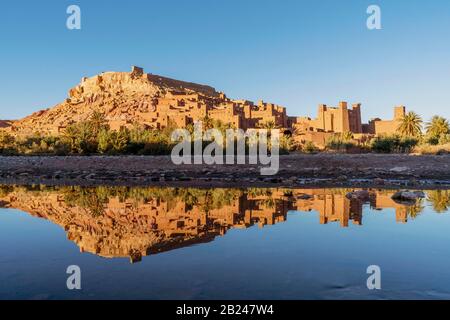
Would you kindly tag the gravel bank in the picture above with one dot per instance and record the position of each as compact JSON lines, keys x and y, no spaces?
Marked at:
{"x":297,"y":170}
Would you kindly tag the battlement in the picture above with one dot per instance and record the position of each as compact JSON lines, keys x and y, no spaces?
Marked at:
{"x":137,"y":71}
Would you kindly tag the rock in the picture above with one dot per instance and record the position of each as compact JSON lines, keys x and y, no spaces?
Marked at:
{"x":304,"y":196}
{"x":399,"y":169}
{"x":378,"y":181}
{"x":408,"y":196}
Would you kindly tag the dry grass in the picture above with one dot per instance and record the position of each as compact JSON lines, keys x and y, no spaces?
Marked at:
{"x":430,"y":149}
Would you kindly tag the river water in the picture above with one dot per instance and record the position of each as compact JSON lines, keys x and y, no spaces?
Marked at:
{"x":185,"y":243}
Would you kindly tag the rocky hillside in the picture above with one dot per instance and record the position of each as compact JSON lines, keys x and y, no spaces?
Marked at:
{"x":5,"y":123}
{"x":124,"y":98}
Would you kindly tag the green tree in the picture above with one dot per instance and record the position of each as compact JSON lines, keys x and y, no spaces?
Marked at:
{"x":71,"y":136}
{"x":103,"y":141}
{"x":119,"y":140}
{"x":268,"y":125}
{"x":6,"y":140}
{"x":81,"y":137}
{"x":437,"y":127}
{"x":411,"y":125}
{"x":98,"y":122}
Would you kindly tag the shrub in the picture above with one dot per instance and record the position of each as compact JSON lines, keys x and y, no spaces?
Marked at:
{"x":433,"y":149}
{"x":103,"y":141}
{"x":81,"y":138}
{"x":6,"y":142}
{"x":310,"y":147}
{"x":286,"y":144}
{"x":391,"y":144}
{"x":340,"y":142}
{"x":119,"y":140}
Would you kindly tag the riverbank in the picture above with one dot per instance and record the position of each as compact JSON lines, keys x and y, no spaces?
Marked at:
{"x":296,"y":170}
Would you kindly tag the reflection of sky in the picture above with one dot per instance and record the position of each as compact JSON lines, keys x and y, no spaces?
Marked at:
{"x":296,"y":259}
{"x":295,"y":53}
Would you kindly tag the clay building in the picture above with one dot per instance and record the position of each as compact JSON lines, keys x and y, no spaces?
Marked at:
{"x":385,"y":127}
{"x":338,"y":120}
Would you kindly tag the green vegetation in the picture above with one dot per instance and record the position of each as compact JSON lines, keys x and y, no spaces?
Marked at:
{"x":411,"y":125}
{"x":437,"y":137}
{"x":342,"y":142}
{"x":393,"y":144}
{"x":94,"y":136}
{"x":437,"y":131}
{"x":309,"y":147}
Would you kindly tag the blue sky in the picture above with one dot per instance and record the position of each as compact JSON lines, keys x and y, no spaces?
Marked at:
{"x":295,"y":53}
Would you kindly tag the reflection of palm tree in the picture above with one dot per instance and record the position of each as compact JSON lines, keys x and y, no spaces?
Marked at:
{"x":440,"y":199}
{"x":268,"y":203}
{"x":256,"y":192}
{"x":411,"y":125}
{"x":416,"y":209}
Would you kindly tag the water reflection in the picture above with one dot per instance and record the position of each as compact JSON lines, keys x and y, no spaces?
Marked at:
{"x":135,"y":222}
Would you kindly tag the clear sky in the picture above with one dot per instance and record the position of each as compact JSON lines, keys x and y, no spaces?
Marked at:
{"x":295,"y":53}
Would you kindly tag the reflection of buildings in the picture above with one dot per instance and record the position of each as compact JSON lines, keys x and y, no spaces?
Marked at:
{"x":384,"y":201}
{"x":123,"y":225}
{"x":332,"y":207}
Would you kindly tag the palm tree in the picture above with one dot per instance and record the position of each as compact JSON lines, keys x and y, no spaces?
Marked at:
{"x":437,"y":127}
{"x":119,"y":140}
{"x":98,"y":121}
{"x":71,"y":135}
{"x":268,"y":125}
{"x":411,"y":125}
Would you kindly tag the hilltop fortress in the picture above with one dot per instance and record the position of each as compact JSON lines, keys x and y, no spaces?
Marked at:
{"x":127,"y":98}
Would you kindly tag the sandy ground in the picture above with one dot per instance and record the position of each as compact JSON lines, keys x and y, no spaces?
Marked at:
{"x":298,"y":170}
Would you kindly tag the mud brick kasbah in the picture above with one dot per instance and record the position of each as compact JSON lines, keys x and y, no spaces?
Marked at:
{"x":127,"y":98}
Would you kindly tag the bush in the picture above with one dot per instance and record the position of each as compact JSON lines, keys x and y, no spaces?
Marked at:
{"x":6,"y":142}
{"x":310,"y":147}
{"x":432,"y":149}
{"x":286,"y":144}
{"x":340,"y":142}
{"x":81,"y":137}
{"x":393,"y":144}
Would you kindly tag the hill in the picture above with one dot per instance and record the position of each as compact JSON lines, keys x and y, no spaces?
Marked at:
{"x":126,"y":98}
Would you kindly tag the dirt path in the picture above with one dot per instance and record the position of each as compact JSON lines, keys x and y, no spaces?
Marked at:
{"x":295,"y":171}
